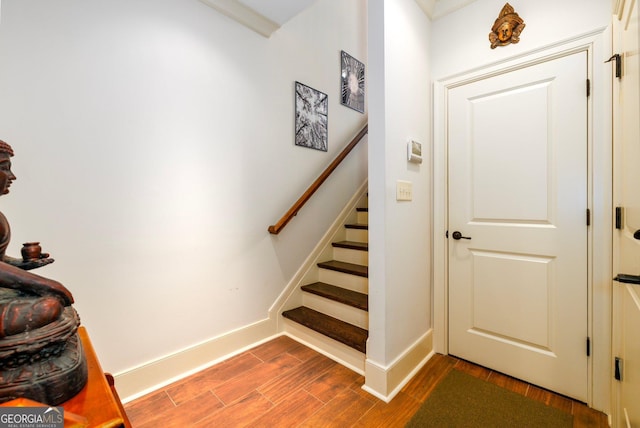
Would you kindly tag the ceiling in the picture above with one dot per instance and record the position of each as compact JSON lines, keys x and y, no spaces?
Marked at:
{"x":266,"y":16}
{"x":438,"y":8}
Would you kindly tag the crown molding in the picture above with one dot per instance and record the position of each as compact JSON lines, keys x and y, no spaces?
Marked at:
{"x":244,"y":15}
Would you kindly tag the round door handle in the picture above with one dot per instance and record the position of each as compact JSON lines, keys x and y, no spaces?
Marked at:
{"x":457,"y":235}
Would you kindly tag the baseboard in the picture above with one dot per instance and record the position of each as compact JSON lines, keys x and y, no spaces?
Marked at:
{"x":386,"y":382}
{"x":148,"y":377}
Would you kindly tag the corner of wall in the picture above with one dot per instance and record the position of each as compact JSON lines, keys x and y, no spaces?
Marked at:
{"x":386,"y":382}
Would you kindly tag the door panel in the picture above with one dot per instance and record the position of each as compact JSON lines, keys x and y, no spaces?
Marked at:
{"x":523,"y":326}
{"x":518,"y":188}
{"x":524,"y":197}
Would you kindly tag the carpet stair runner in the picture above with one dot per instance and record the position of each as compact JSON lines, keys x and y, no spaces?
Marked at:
{"x":344,"y":332}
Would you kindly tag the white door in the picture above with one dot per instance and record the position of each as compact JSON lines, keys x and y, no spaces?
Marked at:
{"x":626,"y":310}
{"x":517,"y":150}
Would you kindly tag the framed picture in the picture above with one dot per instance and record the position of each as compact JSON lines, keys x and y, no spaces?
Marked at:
{"x":312,"y":108}
{"x":352,"y":86}
{"x":414,"y":152}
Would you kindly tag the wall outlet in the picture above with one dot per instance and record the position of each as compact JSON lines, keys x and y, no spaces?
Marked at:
{"x":404,"y":190}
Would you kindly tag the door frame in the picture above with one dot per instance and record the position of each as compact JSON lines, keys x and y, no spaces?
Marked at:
{"x":620,"y":291}
{"x":597,"y":44}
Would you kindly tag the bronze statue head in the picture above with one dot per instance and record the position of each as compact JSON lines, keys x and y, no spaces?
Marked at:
{"x":6,"y":175}
{"x":5,"y":148}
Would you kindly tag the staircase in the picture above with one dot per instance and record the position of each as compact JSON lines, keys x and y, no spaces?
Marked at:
{"x":333,"y":317}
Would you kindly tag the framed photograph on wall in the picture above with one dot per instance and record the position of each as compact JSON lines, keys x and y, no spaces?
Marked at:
{"x":312,"y":111}
{"x":414,"y":152}
{"x":352,"y":82}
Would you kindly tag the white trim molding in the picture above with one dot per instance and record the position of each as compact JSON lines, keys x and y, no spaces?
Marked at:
{"x":618,"y":8}
{"x":153,"y":375}
{"x":386,"y":382}
{"x":244,"y":15}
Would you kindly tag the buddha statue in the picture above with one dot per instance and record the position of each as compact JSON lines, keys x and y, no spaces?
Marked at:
{"x":41,"y":355}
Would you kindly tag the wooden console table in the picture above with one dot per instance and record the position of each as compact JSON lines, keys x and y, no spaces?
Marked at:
{"x":98,"y":401}
{"x":97,"y":405}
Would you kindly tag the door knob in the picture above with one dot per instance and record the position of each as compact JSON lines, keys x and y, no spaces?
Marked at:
{"x":457,"y":235}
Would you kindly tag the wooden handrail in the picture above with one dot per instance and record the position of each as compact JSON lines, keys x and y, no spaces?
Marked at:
{"x":276,"y":228}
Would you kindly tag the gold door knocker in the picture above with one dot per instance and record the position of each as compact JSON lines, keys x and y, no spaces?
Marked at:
{"x":507,"y":28}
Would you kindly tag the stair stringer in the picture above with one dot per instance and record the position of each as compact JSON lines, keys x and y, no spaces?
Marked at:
{"x":292,"y":295}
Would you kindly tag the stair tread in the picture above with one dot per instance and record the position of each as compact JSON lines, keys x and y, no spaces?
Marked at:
{"x":352,"y":245}
{"x":360,"y":226}
{"x":349,"y":334}
{"x":344,"y":267}
{"x":339,"y":294}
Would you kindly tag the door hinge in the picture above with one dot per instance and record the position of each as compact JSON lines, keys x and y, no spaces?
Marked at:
{"x":588,"y":217}
{"x":588,"y":88}
{"x":618,"y":59}
{"x":588,"y":346}
{"x":618,"y":369}
{"x":619,"y":218}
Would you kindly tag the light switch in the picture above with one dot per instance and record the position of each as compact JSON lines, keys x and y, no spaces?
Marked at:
{"x":404,"y":190}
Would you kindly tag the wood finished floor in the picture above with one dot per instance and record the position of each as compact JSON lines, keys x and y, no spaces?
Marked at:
{"x":285,"y":384}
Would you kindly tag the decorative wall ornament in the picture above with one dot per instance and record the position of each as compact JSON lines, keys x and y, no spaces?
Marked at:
{"x":507,"y":28}
{"x":352,"y":82}
{"x":312,"y":110}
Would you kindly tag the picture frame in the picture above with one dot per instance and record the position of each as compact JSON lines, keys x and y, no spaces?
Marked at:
{"x":352,"y":82}
{"x":414,"y":152}
{"x":311,"y":117}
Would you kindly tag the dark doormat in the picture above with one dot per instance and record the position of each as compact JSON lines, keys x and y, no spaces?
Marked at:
{"x":461,"y":400}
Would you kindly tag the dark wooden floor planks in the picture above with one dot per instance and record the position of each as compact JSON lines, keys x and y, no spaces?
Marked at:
{"x":282,"y":383}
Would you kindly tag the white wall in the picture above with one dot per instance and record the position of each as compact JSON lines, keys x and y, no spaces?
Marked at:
{"x":399,"y":233}
{"x":154,"y":145}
